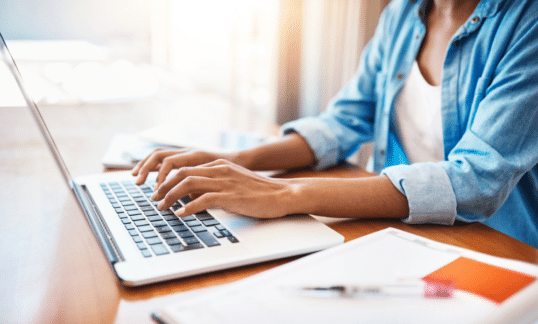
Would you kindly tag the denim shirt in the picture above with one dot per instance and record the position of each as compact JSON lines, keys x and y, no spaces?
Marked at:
{"x":489,"y":112}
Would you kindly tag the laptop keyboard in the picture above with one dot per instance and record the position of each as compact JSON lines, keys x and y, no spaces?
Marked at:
{"x":160,"y":232}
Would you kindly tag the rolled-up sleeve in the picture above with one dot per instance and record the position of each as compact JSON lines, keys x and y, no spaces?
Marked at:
{"x":428,"y":190}
{"x":318,"y":136}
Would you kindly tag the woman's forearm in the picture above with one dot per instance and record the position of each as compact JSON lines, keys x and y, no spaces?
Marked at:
{"x":371,"y":197}
{"x":288,"y":152}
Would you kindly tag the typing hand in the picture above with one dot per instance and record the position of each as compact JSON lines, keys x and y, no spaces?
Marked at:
{"x":165,"y":161}
{"x":223,"y":184}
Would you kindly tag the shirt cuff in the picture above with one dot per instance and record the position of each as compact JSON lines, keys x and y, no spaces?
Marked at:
{"x":428,"y":190}
{"x":318,"y":136}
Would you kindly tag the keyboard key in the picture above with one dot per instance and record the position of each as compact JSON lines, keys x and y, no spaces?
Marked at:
{"x":181,"y":248}
{"x":170,"y":217}
{"x":197,"y":229}
{"x":133,"y":212}
{"x":207,"y":238}
{"x":137,"y":217}
{"x":145,"y":228}
{"x":154,"y":218}
{"x":185,"y":200}
{"x":191,"y":240}
{"x":151,"y":213}
{"x":159,"y":223}
{"x":122,"y":215}
{"x":148,"y":235}
{"x":218,"y":234}
{"x":153,"y":240}
{"x":194,"y":246}
{"x":188,"y":218}
{"x":141,"y":245}
{"x":141,"y":223}
{"x":175,"y":222}
{"x":126,"y":221}
{"x":178,"y":248}
{"x":137,"y":239}
{"x":130,"y":226}
{"x":118,"y":210}
{"x":185,"y":234}
{"x":133,"y":232}
{"x":210,"y":222}
{"x":133,"y":207}
{"x":166,"y":212}
{"x":173,"y":241}
{"x":233,"y":239}
{"x":204,"y":216}
{"x":163,"y":229}
{"x":167,"y":235}
{"x":159,"y":249}
{"x":180,"y":228}
{"x":146,"y":253}
{"x":226,"y":233}
{"x":220,"y":227}
{"x":193,"y":223}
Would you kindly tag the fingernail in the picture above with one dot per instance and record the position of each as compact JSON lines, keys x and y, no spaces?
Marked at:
{"x":156,"y":187}
{"x":161,"y":205}
{"x":180,"y":211}
{"x":154,"y":195}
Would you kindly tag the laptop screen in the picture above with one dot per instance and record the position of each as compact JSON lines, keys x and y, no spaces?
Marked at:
{"x":9,"y":63}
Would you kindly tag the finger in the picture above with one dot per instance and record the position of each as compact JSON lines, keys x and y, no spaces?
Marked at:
{"x":205,"y":201}
{"x":151,"y":164}
{"x":166,"y":167}
{"x":191,"y":184}
{"x":183,"y":173}
{"x":136,"y":169}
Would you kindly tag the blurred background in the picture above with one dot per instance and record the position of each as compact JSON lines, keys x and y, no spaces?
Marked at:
{"x":275,"y":60}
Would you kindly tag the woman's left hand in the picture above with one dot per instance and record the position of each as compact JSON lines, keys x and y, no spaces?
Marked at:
{"x":223,"y":184}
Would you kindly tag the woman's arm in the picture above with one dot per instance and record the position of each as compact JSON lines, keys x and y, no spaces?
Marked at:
{"x":222,"y":184}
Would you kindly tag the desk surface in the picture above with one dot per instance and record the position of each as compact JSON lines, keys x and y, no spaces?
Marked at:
{"x":53,"y":269}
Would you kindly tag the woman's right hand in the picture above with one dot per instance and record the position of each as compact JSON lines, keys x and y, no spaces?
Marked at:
{"x":165,"y":161}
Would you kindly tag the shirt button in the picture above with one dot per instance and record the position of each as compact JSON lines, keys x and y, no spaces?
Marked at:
{"x":399,"y":76}
{"x":456,"y":43}
{"x":382,"y":152}
{"x":475,"y":20}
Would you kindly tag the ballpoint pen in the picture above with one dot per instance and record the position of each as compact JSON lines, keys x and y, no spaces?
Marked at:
{"x":415,"y":288}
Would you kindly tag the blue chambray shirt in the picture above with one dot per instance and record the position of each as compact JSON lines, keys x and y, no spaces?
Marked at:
{"x":489,"y":111}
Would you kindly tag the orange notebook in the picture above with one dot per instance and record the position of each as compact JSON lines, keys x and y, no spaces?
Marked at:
{"x":494,"y":283}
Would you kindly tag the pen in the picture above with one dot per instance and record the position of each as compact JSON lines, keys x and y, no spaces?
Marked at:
{"x":428,"y":289}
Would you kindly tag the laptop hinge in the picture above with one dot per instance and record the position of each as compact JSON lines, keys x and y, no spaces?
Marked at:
{"x":98,"y":225}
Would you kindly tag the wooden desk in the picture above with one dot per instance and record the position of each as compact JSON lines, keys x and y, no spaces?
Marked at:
{"x":54,"y":271}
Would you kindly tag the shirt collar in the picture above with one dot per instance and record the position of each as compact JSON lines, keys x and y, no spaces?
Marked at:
{"x":486,"y":8}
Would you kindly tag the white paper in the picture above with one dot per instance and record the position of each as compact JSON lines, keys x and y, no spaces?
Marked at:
{"x":380,"y":257}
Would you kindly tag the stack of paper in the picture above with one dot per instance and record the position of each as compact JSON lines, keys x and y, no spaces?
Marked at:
{"x":488,"y":289}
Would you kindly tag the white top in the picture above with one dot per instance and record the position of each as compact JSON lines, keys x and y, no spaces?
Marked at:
{"x":418,"y":119}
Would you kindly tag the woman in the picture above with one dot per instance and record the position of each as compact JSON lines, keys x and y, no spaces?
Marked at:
{"x":469,"y":151}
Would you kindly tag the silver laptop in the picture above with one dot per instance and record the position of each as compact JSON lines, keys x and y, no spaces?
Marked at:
{"x":146,"y":245}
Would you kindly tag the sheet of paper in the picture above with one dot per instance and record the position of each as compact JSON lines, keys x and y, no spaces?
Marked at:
{"x":380,"y":257}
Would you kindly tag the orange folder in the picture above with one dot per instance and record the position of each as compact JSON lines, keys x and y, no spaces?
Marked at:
{"x":494,"y":283}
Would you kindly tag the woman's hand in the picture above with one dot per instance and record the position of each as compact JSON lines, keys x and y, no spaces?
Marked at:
{"x":165,"y":161}
{"x":223,"y":184}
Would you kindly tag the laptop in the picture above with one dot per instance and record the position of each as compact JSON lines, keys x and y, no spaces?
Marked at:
{"x":146,"y":245}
